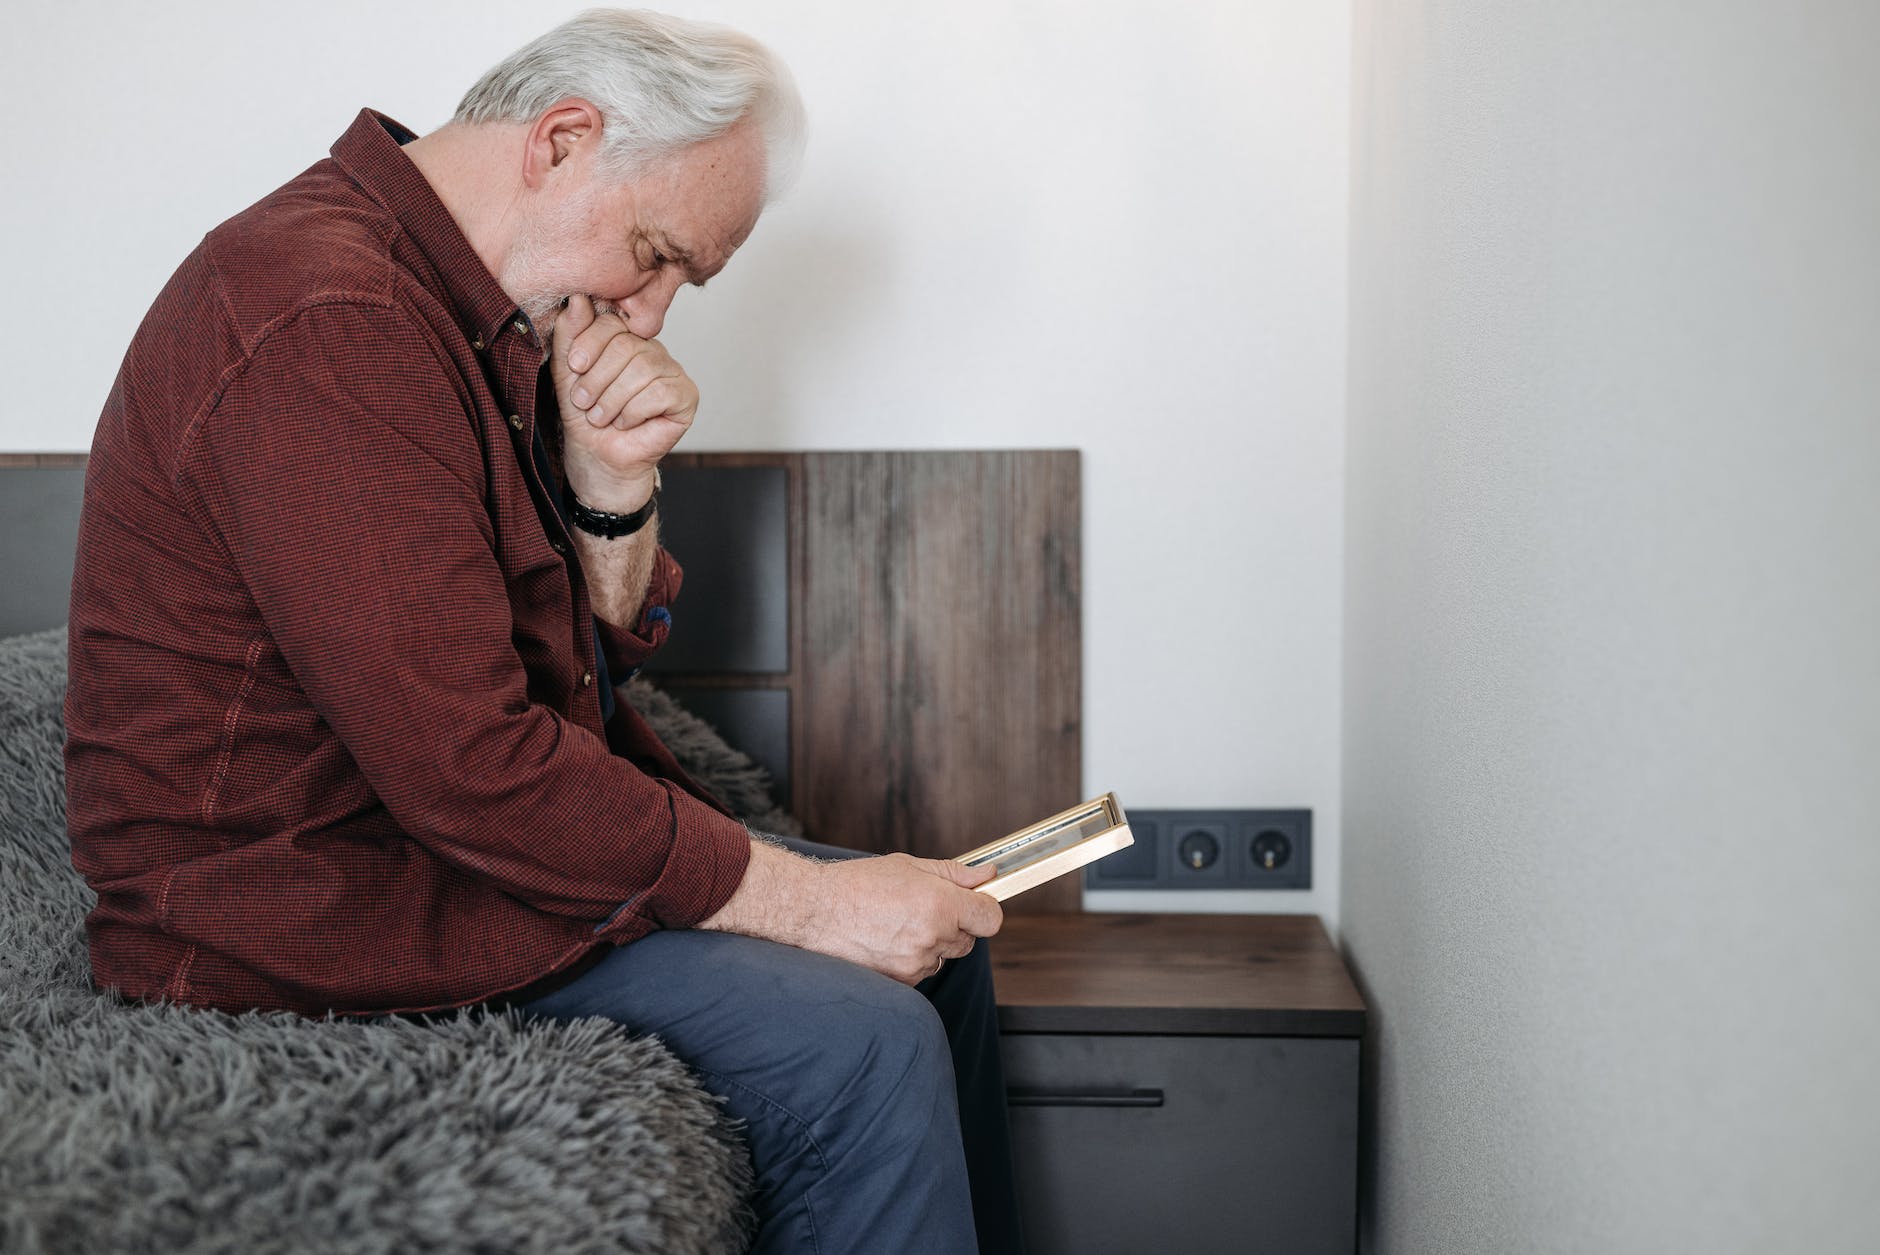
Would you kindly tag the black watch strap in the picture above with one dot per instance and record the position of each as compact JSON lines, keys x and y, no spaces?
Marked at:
{"x":601,"y":523}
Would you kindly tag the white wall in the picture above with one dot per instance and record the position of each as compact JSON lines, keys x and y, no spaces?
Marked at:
{"x":1114,"y":225}
{"x":1612,"y":824}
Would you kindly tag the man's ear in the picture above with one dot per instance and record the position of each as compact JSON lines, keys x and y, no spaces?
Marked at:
{"x":557,"y":135}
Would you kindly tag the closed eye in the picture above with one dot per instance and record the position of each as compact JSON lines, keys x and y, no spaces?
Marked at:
{"x":673,"y":255}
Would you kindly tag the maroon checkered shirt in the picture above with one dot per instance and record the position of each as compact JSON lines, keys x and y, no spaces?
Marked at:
{"x":334,"y":739}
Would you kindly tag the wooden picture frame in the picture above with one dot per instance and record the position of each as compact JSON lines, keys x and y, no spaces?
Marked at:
{"x":1052,"y":847}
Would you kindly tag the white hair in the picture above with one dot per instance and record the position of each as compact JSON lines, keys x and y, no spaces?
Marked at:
{"x":661,"y":83}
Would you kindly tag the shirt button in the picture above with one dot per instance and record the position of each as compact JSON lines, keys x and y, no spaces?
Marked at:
{"x":476,"y":342}
{"x":557,"y":546}
{"x":587,"y":679}
{"x":522,"y":328}
{"x":515,"y":420}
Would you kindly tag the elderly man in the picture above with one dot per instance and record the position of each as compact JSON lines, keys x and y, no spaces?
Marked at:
{"x":370,"y":529}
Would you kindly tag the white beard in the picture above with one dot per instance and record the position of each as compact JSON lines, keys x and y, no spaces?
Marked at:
{"x":530,"y":275}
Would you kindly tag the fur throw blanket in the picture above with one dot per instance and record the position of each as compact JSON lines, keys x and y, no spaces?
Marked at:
{"x":131,"y":1128}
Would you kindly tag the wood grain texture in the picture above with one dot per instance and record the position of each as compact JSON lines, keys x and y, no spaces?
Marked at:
{"x":1268,"y":975}
{"x":941,"y":682}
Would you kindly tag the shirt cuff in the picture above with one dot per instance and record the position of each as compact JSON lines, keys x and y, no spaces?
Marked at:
{"x":704,"y":867}
{"x":626,"y":648}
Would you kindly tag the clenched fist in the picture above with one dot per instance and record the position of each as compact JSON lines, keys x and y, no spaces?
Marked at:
{"x":624,"y":404}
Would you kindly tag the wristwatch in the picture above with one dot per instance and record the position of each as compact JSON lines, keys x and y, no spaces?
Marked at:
{"x":601,"y":523}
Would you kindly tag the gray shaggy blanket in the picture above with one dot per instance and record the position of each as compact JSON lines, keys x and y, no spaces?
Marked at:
{"x":159,"y":1128}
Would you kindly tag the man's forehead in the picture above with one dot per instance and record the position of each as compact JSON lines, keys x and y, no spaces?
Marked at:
{"x":701,"y":204}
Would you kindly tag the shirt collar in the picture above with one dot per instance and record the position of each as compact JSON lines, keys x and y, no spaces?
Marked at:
{"x":370,"y":152}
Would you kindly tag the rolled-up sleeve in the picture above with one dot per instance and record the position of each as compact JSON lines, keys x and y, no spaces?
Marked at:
{"x":627,"y":648}
{"x":334,"y":471}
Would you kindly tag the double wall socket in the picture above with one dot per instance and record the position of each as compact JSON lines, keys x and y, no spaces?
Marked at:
{"x":1239,"y":849}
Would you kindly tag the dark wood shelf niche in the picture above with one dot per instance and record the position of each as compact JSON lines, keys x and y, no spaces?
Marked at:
{"x":929,"y":609}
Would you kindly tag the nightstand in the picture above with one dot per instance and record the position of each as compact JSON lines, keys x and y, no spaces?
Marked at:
{"x":1180,"y":1083}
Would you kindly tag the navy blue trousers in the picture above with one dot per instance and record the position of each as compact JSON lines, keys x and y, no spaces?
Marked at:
{"x":875,"y":1111}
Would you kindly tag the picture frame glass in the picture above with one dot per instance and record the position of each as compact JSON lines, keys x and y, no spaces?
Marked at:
{"x":1040,"y":841}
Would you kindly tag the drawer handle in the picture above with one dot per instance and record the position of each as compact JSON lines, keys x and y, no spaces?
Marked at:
{"x":1084,"y":1098}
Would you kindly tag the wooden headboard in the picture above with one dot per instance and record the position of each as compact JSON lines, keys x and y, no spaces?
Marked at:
{"x":896,"y":635}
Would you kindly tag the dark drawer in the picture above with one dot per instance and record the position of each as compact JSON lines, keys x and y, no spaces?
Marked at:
{"x":1132,"y":1145}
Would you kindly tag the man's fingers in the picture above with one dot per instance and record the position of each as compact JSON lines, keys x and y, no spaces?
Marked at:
{"x":611,"y":352}
{"x":662,"y":398}
{"x":960,"y":874}
{"x":631,"y":395}
{"x":575,"y":317}
{"x":597,"y":337}
{"x":956,"y":947}
{"x":981,"y":915}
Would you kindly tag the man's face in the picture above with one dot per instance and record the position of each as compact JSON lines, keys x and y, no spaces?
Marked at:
{"x":633,"y":245}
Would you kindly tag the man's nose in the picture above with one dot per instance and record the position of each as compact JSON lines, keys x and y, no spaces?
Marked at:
{"x":646,"y":309}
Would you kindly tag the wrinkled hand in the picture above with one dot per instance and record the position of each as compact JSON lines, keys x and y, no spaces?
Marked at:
{"x":903,"y":916}
{"x":624,"y":404}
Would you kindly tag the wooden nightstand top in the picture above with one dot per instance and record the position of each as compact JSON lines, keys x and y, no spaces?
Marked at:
{"x":1260,"y":975}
